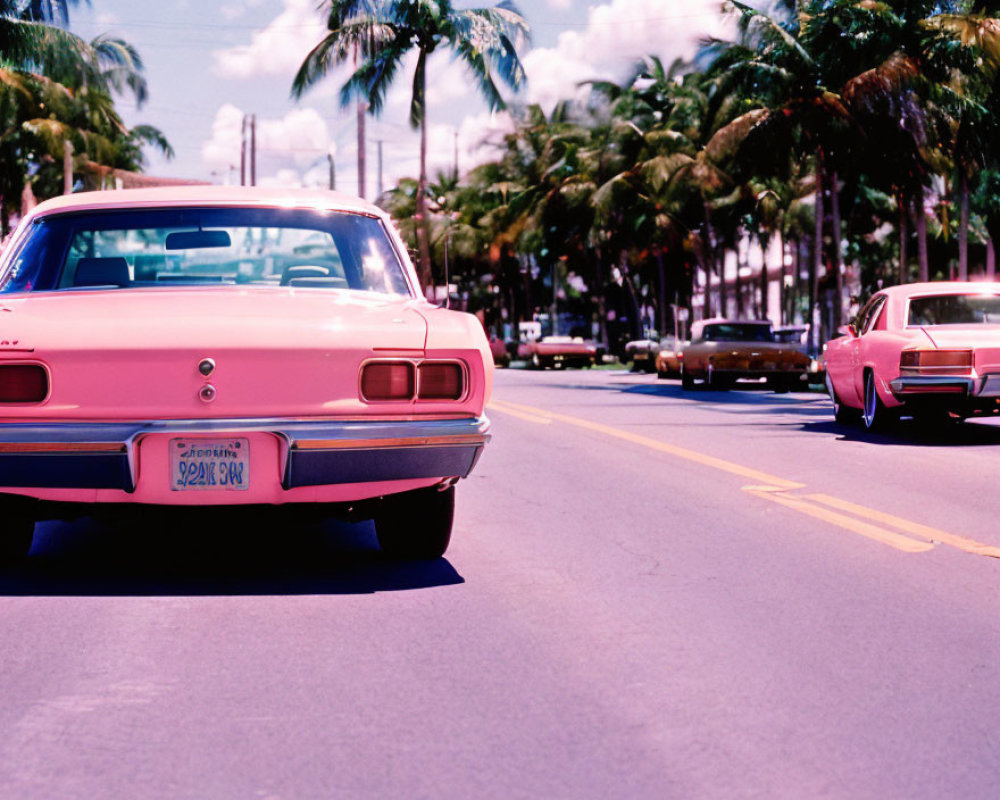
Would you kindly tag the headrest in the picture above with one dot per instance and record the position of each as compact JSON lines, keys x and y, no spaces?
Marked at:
{"x":102,"y":272}
{"x":303,"y":271}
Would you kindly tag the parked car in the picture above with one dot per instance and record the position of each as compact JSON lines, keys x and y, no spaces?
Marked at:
{"x":668,"y":358}
{"x":642,"y":354}
{"x":558,"y":351}
{"x":798,"y":335}
{"x":723,"y":351}
{"x":930,"y":350}
{"x":498,"y":348}
{"x":219,"y":346}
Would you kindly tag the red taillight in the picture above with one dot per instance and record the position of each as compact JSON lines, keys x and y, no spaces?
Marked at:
{"x":440,"y":381}
{"x":389,"y":380}
{"x":23,"y":383}
{"x":936,"y":362}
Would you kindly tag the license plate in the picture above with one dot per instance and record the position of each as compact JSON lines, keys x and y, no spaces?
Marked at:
{"x":198,"y":464}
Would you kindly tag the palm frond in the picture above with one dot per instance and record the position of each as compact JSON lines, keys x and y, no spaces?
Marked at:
{"x":371,"y":80}
{"x":370,"y":37}
{"x":725,"y":142}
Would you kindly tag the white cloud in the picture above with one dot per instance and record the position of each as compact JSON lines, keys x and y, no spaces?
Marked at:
{"x":617,"y":34}
{"x":234,"y":11}
{"x":279,"y":48}
{"x":294,"y":142}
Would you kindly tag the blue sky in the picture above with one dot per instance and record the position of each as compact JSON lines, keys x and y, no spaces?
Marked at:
{"x":208,"y":64}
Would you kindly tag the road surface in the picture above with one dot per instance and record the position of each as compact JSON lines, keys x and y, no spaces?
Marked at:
{"x":649,"y":593}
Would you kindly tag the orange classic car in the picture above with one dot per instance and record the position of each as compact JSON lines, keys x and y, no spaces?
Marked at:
{"x":723,"y":351}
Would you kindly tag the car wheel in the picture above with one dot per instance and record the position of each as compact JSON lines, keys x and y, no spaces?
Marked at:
{"x":416,"y":525}
{"x":661,"y":375}
{"x":17,"y":531}
{"x":687,"y":382}
{"x":536,"y":362}
{"x":779,"y":385}
{"x":845,"y":415}
{"x":875,"y":415}
{"x":713,"y":381}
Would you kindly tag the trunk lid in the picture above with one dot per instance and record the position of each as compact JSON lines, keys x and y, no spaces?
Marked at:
{"x":134,"y":354}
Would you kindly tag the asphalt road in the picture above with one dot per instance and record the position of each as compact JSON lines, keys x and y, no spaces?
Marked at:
{"x":650,"y":593}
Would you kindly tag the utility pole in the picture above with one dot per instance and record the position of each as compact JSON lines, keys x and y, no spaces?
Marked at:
{"x":379,"y":185}
{"x":253,"y":149}
{"x":331,"y":155}
{"x":456,"y":155}
{"x":243,"y":152}
{"x":67,"y":167}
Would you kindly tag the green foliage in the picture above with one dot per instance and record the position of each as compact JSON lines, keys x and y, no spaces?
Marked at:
{"x":56,"y":88}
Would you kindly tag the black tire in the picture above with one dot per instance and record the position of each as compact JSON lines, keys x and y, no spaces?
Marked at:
{"x":687,"y":382}
{"x":536,"y":362}
{"x":779,"y":385}
{"x":844,"y":415}
{"x":17,"y":532}
{"x":713,"y":381}
{"x":661,"y":375}
{"x":416,"y":525}
{"x":874,"y":414}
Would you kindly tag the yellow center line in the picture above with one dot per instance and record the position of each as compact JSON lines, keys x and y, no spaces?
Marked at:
{"x":923,"y":531}
{"x":655,"y":444}
{"x":494,"y":405}
{"x":887,"y":537}
{"x":777,"y":490}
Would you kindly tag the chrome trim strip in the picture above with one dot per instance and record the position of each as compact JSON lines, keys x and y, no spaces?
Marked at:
{"x":70,"y":442}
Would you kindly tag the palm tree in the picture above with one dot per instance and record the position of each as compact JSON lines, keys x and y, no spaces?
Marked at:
{"x":58,"y":88}
{"x":380,"y":34}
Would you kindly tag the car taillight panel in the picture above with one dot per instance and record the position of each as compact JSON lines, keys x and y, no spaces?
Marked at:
{"x":405,"y":381}
{"x":440,"y":381}
{"x":387,"y":380}
{"x":23,"y":383}
{"x":936,"y":362}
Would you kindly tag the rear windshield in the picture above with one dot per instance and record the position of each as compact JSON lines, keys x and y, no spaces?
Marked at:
{"x":735,"y":332}
{"x":955,"y":309}
{"x":172,"y":247}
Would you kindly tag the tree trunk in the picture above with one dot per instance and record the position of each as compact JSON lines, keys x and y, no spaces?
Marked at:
{"x":764,"y":242}
{"x":423,"y":223}
{"x":963,"y":226}
{"x":602,"y":311}
{"x":921,"y":220}
{"x":991,"y":260}
{"x":720,"y":264}
{"x":838,"y":272}
{"x":903,"y":269}
{"x":816,"y":264}
{"x":738,"y":281}
{"x":662,"y":299}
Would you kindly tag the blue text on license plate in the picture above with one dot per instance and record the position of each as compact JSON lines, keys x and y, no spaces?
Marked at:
{"x":197,"y":464}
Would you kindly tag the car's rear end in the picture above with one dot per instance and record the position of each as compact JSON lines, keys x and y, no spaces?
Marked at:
{"x":229,"y":383}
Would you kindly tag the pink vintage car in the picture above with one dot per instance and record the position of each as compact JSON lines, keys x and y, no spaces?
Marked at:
{"x":558,"y":351}
{"x":210,"y":346}
{"x":931,"y":350}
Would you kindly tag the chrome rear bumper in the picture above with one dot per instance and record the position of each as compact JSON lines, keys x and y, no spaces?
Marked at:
{"x":985,"y":386}
{"x":315,"y":453}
